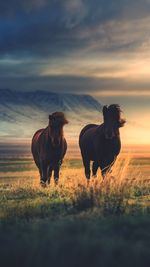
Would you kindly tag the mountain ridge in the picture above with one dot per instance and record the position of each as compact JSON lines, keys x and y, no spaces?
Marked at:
{"x":22,"y":112}
{"x":38,"y":96}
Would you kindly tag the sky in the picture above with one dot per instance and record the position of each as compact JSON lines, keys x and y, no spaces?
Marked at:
{"x":97,"y":47}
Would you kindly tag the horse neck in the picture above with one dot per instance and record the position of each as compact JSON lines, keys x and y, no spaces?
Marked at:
{"x":102,"y":126}
{"x":49,"y":135}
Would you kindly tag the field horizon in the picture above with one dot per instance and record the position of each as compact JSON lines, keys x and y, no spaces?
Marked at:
{"x":22,"y":148}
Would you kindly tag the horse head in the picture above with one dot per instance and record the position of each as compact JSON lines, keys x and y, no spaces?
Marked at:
{"x":56,"y":122}
{"x":112,"y":120}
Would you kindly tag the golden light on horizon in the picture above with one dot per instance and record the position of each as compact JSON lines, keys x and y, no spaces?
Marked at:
{"x":118,"y":93}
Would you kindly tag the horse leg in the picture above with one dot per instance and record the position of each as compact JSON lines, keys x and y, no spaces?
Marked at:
{"x":37,"y":162}
{"x":43,"y":168}
{"x":94,"y":168}
{"x":56,"y":174}
{"x":86,"y":163}
{"x":40,"y":172}
{"x":106,"y":165}
{"x":104,"y":170}
{"x":49,"y":174}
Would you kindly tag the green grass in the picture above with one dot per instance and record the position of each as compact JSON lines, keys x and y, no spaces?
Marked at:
{"x":76,"y":240}
{"x":18,"y":165}
{"x":13,"y":165}
{"x":104,"y":224}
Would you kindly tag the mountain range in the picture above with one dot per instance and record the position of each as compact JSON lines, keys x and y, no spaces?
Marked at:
{"x":23,"y":112}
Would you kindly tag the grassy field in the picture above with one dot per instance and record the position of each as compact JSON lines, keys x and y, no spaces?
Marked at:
{"x":104,"y":224}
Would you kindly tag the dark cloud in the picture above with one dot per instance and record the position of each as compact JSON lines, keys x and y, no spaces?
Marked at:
{"x":76,"y":84}
{"x":33,"y":32}
{"x":94,"y":10}
{"x":51,"y":83}
{"x":57,"y":28}
{"x":12,"y":7}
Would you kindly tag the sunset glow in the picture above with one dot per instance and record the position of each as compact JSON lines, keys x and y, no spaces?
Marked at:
{"x":81,"y":47}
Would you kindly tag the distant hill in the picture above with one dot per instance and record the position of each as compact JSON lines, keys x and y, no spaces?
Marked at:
{"x":22,"y":113}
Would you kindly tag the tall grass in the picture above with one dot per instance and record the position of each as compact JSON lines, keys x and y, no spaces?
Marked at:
{"x":123,"y":189}
{"x":117,"y":192}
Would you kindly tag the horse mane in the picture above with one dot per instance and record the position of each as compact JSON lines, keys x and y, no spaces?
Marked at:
{"x":121,"y":122}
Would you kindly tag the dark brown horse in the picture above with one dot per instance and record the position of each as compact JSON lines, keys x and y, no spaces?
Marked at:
{"x":101,"y":143}
{"x":49,"y":147}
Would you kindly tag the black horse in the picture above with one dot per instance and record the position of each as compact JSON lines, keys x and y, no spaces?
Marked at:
{"x":49,"y":147}
{"x":101,"y":143}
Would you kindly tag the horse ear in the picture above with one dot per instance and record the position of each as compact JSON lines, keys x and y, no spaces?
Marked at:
{"x":105,"y":109}
{"x":50,"y":117}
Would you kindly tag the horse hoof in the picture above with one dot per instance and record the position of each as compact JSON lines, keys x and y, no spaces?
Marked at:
{"x":56,"y":181}
{"x":87,"y":176}
{"x":94,"y":175}
{"x":42,"y":183}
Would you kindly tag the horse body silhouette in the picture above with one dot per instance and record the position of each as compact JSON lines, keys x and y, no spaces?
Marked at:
{"x":49,"y":147}
{"x":101,"y":143}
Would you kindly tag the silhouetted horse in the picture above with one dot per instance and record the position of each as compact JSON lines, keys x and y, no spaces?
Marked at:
{"x":101,"y":143}
{"x":49,"y":147}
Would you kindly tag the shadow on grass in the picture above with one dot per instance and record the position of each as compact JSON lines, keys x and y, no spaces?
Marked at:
{"x":85,"y":240}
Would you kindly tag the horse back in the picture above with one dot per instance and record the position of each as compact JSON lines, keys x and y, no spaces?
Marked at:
{"x":87,"y":127}
{"x":37,"y":135}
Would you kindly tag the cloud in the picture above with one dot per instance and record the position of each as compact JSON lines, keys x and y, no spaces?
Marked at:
{"x":76,"y":84}
{"x":58,"y":28}
{"x":12,"y":7}
{"x":40,"y":40}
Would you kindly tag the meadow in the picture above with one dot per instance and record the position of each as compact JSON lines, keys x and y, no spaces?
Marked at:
{"x":104,"y":224}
